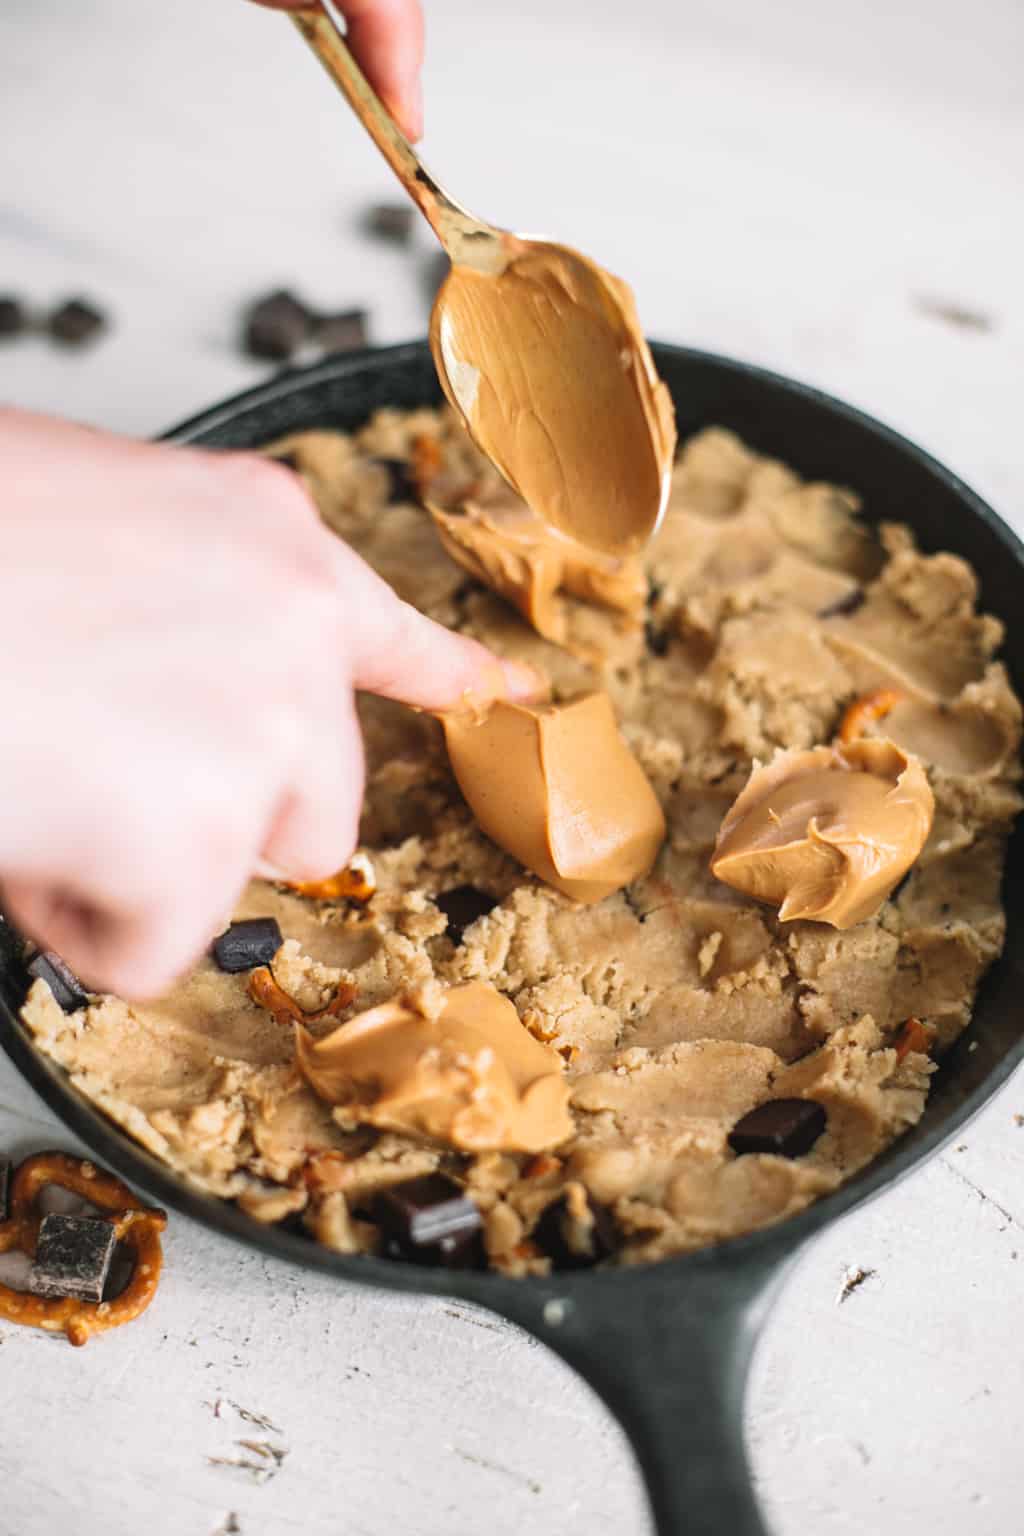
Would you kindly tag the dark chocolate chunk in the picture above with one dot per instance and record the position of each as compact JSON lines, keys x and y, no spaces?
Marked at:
{"x":657,"y":639}
{"x":401,"y":486}
{"x":73,"y":1256}
{"x":462,"y":905}
{"x":573,"y":1244}
{"x":430,"y":1221}
{"x":76,"y":322}
{"x":788,"y":1127}
{"x":848,"y":603}
{"x":254,"y":941}
{"x":391,"y":221}
{"x":344,"y":332}
{"x":5,"y":1179}
{"x":13,"y":319}
{"x":275,"y":326}
{"x":60,"y":978}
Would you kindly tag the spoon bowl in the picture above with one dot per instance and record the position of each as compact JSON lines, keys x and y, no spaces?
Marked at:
{"x":538,"y":349}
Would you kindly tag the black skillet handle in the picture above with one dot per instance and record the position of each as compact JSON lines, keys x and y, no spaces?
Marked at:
{"x":668,"y":1349}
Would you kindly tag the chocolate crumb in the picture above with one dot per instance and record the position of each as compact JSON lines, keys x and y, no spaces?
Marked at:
{"x":391,"y":221}
{"x":573,"y":1244}
{"x":462,"y":905}
{"x":959,"y":315}
{"x":401,"y":486}
{"x":13,"y":316}
{"x":275,"y":326}
{"x":344,"y":332}
{"x":847,"y":604}
{"x":76,"y":322}
{"x":657,"y":640}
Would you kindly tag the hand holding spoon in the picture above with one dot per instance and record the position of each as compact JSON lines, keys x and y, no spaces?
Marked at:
{"x":538,"y":349}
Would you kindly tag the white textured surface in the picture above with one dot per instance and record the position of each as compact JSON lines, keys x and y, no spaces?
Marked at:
{"x":785,"y":183}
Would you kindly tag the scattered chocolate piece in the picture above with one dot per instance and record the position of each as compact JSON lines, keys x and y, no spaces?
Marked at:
{"x":848,"y":603}
{"x":243,"y":946}
{"x":275,"y":326}
{"x":430,"y":1221}
{"x":5,"y":1179}
{"x":343,"y":332}
{"x":787,"y":1127}
{"x":73,"y":1257}
{"x":13,"y":319}
{"x":76,"y":322}
{"x":657,"y":639}
{"x":462,"y":905}
{"x":401,"y":485}
{"x":960,"y":315}
{"x":573,"y":1244}
{"x":67,"y":990}
{"x":391,"y":221}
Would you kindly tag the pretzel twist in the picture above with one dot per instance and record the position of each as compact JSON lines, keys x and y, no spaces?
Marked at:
{"x":137,"y":1226}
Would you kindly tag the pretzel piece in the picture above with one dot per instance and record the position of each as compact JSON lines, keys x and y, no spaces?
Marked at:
{"x":860,"y":714}
{"x":137,"y":1226}
{"x":356,"y":882}
{"x":263,"y":989}
{"x":915,"y":1036}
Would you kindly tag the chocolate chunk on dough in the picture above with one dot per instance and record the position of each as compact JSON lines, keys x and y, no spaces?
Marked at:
{"x":430,"y":1221}
{"x":254,"y":941}
{"x":72,"y":1257}
{"x":787,"y":1127}
{"x":571,"y":1243}
{"x":462,"y":905}
{"x":67,"y":990}
{"x":76,"y":322}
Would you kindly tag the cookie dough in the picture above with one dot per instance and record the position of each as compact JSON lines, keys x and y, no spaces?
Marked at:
{"x":676,"y":1005}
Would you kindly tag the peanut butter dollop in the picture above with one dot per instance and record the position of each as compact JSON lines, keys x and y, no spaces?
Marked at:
{"x":507,"y":546}
{"x":557,"y":787}
{"x":470,"y":1075}
{"x":547,"y":365}
{"x":826,"y":833}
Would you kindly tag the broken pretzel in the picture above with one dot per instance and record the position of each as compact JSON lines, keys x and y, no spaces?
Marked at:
{"x":135,"y":1225}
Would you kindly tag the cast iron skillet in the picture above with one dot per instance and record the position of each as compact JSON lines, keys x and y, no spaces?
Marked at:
{"x":668,"y":1346}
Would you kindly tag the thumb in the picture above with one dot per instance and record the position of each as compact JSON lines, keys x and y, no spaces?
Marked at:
{"x":396,"y":651}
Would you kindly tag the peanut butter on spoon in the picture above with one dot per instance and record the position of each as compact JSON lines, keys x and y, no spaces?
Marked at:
{"x":826,"y":833}
{"x":557,"y":787}
{"x":537,"y":347}
{"x":466,"y":1073}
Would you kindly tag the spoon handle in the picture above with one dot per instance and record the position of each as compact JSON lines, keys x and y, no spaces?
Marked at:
{"x":465,"y":238}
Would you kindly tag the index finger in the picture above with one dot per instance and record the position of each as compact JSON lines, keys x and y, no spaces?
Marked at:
{"x":386,"y":37}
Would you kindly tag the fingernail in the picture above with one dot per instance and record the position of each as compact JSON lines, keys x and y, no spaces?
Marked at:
{"x":524,"y":682}
{"x":414,"y":110}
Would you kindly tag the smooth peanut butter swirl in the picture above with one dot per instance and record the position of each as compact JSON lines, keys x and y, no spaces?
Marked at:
{"x":513,"y":551}
{"x":548,"y":367}
{"x":557,"y":787}
{"x":826,"y":833}
{"x":469,"y":1075}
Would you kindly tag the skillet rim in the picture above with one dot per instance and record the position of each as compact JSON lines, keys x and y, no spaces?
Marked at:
{"x":766,"y":1246}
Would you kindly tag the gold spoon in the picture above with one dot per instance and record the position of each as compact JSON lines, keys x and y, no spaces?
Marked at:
{"x":538,"y":349}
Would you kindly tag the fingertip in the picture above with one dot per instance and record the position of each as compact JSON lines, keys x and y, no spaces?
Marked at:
{"x":523,"y":683}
